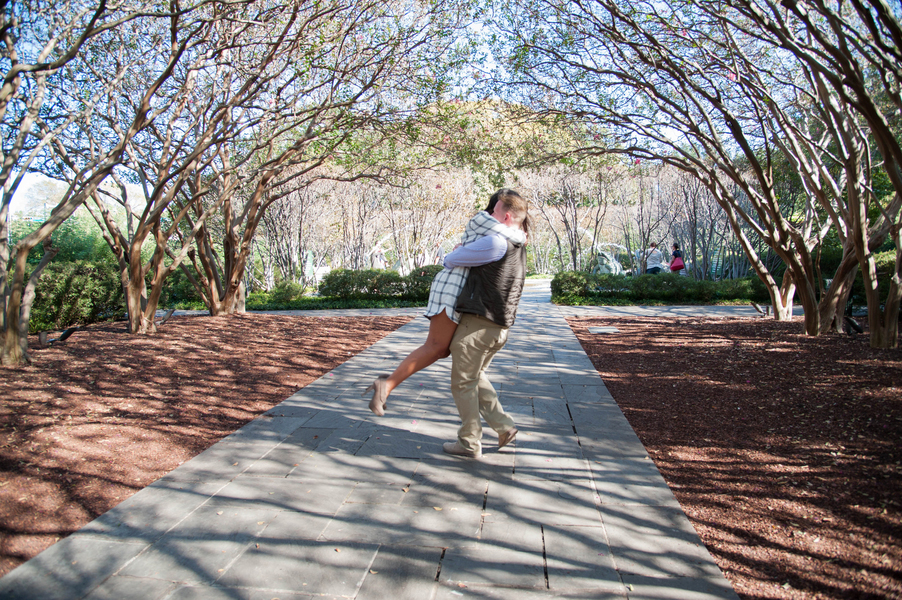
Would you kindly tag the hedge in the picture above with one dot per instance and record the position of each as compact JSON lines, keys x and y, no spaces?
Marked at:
{"x":576,"y":287}
{"x":377,"y":283}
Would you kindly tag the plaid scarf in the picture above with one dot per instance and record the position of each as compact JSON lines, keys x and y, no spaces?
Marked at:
{"x":449,"y":283}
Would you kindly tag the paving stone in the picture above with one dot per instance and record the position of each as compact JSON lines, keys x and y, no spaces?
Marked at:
{"x":452,"y":591}
{"x":415,"y":526}
{"x":587,"y":374}
{"x":495,"y":466}
{"x":289,"y":526}
{"x":338,"y":466}
{"x":552,"y":413}
{"x":446,"y":489}
{"x":538,"y":370}
{"x":572,"y":356}
{"x":223,"y":461}
{"x":314,"y":567}
{"x":514,"y":534}
{"x":335,"y":419}
{"x":656,"y":542}
{"x":198,"y":548}
{"x":282,"y":494}
{"x":495,"y":565}
{"x":283,"y":458}
{"x":614,"y":445}
{"x":550,"y":441}
{"x":544,"y":468}
{"x":543,"y":502}
{"x":320,"y":473}
{"x":268,"y":428}
{"x":579,"y":558}
{"x":316,"y":395}
{"x":132,"y":588}
{"x":71,"y":568}
{"x":347,"y":441}
{"x":588,"y":394}
{"x":679,"y":588}
{"x":401,"y":573}
{"x":188,"y":592}
{"x":631,"y":482}
{"x":395,"y":420}
{"x":440,"y":426}
{"x":290,"y":410}
{"x":598,"y":419}
{"x":545,"y":389}
{"x":388,"y":494}
{"x":151,"y":512}
{"x":400,"y":444}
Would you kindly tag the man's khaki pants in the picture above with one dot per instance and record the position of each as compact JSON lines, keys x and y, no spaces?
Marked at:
{"x":475,"y":343}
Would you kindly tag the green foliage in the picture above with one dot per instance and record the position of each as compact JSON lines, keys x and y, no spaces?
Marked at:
{"x":417,"y":284}
{"x":260,"y":301}
{"x":570,"y":283}
{"x":178,"y":292}
{"x":76,"y":293}
{"x":344,"y":288}
{"x":572,"y":287}
{"x":886,"y":264}
{"x":286,"y":291}
{"x":368,"y":283}
{"x":378,"y":283}
{"x":77,"y":238}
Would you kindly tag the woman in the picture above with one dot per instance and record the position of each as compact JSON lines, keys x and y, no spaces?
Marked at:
{"x":443,"y":319}
{"x":676,"y":259}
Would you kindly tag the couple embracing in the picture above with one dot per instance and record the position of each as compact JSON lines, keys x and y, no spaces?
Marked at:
{"x":472,"y":304}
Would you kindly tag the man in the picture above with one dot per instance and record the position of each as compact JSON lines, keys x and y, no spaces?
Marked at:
{"x":488,"y":304}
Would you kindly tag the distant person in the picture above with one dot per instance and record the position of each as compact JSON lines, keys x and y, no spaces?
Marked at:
{"x":676,"y":259}
{"x":379,"y":260}
{"x":654,"y":260}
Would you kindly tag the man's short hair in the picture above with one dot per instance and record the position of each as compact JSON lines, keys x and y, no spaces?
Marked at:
{"x":514,"y":202}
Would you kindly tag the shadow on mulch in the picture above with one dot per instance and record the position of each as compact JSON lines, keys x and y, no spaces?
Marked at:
{"x":783,"y":449}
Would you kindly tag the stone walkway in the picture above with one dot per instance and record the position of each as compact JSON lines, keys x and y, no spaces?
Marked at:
{"x":321,"y":498}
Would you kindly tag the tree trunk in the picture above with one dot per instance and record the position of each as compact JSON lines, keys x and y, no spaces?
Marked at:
{"x":833,"y":304}
{"x":19,"y":302}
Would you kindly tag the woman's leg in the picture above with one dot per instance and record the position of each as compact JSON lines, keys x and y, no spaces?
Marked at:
{"x":441,"y":330}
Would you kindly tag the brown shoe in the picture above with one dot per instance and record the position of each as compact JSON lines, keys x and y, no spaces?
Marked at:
{"x":455,"y":449}
{"x":380,"y":395}
{"x":507,"y":437}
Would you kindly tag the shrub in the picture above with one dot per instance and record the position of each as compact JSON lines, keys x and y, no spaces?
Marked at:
{"x":583,"y":288}
{"x":178,"y":292}
{"x":368,"y":283}
{"x":417,"y":284}
{"x":76,"y":293}
{"x":570,"y":283}
{"x":286,"y":291}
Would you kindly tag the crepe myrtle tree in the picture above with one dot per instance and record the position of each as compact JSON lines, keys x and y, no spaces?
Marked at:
{"x":148,"y":96}
{"x":672,"y":81}
{"x":852,"y":51}
{"x":298,"y":87}
{"x":41,"y":42}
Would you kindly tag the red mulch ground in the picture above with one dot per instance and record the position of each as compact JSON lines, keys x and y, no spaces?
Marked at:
{"x":784,"y":450}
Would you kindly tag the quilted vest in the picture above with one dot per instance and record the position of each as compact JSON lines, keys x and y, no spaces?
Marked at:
{"x":493,"y":290}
